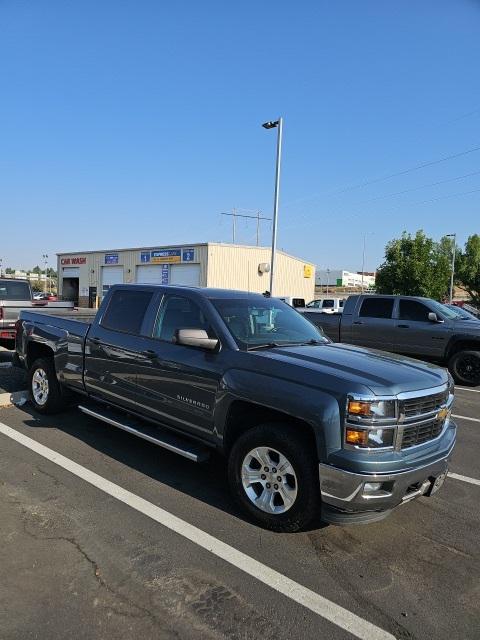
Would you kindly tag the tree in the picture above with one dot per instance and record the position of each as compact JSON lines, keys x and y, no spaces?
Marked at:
{"x":415,"y":266}
{"x":468,"y":268}
{"x":36,"y":269}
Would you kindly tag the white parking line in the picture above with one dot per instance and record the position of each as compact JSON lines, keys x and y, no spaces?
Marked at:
{"x":467,"y":389}
{"x":336,"y":614}
{"x":456,"y":476}
{"x":466,"y":418}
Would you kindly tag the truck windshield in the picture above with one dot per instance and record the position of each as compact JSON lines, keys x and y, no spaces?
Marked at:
{"x":258,"y":323}
{"x":443,"y":311}
{"x":14,"y":290}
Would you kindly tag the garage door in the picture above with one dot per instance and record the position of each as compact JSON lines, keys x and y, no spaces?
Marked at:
{"x":71,"y":272}
{"x":151,"y":274}
{"x":111,"y":276}
{"x":186,"y":274}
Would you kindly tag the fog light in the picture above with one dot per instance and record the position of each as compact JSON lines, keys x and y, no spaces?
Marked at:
{"x":371,"y":487}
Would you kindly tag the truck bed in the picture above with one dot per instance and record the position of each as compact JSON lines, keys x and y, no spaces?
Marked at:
{"x":328,"y":322}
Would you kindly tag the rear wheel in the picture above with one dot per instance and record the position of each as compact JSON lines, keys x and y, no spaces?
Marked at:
{"x":465,"y":367}
{"x":44,"y":388}
{"x":274,"y":477}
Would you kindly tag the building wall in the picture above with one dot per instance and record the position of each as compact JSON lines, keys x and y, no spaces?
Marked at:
{"x":236,"y":267}
{"x":221,"y":265}
{"x":342,"y":278}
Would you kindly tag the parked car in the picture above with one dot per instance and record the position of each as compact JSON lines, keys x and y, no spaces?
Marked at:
{"x":412,"y":326}
{"x":462,"y":312}
{"x":326,"y":305}
{"x":296,"y":303}
{"x":308,"y":427}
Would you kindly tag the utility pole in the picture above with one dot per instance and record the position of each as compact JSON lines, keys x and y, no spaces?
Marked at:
{"x":45,"y":260}
{"x":278,"y":124}
{"x":1,"y":268}
{"x":454,"y":249}
{"x":328,"y":279}
{"x":235,"y":215}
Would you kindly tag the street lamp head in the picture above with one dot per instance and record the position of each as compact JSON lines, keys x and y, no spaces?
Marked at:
{"x":270,"y":125}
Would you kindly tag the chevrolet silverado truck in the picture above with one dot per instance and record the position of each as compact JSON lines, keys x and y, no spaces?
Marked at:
{"x":309,"y":428}
{"x":412,"y":326}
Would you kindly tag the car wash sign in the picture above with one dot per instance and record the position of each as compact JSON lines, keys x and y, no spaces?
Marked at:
{"x":165,"y":256}
{"x":75,"y":260}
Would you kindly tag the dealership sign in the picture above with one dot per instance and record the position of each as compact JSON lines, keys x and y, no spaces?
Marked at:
{"x":160,"y":256}
{"x":76,"y":260}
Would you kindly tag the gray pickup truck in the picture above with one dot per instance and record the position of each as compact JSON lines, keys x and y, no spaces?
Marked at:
{"x":416,"y":327}
{"x":16,"y":295}
{"x":308,"y":427}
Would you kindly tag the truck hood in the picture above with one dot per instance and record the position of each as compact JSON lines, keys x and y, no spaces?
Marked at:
{"x":467,"y":326}
{"x":381,"y":372}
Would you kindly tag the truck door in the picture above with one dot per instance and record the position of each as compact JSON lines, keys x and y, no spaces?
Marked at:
{"x":178,"y":384}
{"x":415,"y":334}
{"x":372,"y":324}
{"x":113,"y":345}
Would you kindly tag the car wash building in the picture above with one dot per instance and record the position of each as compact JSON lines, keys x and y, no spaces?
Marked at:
{"x":86,"y":276}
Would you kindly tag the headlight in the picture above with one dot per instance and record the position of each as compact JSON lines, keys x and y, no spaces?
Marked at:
{"x":370,"y":438}
{"x":370,"y":424}
{"x":373,"y":411}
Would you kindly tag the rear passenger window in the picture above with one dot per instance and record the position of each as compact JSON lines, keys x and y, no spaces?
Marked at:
{"x":328,"y":304}
{"x":126,"y":311}
{"x":413,"y":310}
{"x":376,"y":308}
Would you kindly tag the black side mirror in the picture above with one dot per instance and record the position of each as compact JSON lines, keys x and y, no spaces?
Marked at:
{"x":195,"y":338}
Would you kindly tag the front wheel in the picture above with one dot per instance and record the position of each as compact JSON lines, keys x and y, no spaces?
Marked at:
{"x":274,"y":477}
{"x":465,"y":367}
{"x":44,"y":388}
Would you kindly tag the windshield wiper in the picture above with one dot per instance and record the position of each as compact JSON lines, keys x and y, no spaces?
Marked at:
{"x":272,"y":345}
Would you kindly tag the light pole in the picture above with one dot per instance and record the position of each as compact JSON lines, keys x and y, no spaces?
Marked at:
{"x":363,"y":255}
{"x":1,"y":268}
{"x":278,"y":124}
{"x":454,"y":236}
{"x":328,"y":279}
{"x":45,"y":261}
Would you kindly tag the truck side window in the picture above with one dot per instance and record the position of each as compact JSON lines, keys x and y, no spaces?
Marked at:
{"x":414,"y":311}
{"x":328,"y":304}
{"x":179,"y":313}
{"x":126,"y":310}
{"x":376,"y":308}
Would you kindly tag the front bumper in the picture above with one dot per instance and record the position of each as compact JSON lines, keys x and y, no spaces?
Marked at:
{"x":345,"y":499}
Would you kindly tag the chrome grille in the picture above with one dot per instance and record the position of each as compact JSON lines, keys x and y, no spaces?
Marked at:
{"x":422,"y":406}
{"x":419,"y":433}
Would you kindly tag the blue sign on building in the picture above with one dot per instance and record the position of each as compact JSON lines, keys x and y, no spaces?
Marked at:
{"x":166,"y":255}
{"x":165,"y":273}
{"x":188,"y":255}
{"x":111,"y":258}
{"x":145,"y":256}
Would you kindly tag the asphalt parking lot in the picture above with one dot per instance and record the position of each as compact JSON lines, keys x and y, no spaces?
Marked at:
{"x":80,"y":557}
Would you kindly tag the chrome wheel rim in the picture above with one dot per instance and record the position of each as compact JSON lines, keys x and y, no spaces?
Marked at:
{"x":40,"y":387}
{"x":269,"y":480}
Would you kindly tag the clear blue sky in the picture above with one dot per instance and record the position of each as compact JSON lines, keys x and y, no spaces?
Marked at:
{"x":135,"y":122}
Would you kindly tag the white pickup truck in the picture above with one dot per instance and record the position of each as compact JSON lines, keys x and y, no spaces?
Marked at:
{"x":326,"y":305}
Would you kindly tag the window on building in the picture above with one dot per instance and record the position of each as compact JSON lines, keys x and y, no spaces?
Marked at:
{"x":376,"y":308}
{"x":126,"y":311}
{"x":414,"y":311}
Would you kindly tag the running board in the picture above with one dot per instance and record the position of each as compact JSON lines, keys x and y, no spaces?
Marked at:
{"x":156,"y":435}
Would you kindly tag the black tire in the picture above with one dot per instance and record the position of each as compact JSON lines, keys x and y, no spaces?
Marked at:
{"x":465,"y":367}
{"x":52,"y":401}
{"x":298,"y":450}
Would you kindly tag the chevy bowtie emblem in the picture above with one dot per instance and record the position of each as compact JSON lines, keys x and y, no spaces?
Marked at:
{"x":442,"y":414}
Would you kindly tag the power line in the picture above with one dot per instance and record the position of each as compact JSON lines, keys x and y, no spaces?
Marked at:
{"x":387,"y":177}
{"x":405,"y":171}
{"x":423,"y":186}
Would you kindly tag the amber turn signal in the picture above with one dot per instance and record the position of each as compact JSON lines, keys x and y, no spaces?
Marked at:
{"x":359,"y":408}
{"x":357,"y":436}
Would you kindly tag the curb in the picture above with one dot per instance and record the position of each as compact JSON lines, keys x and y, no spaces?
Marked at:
{"x":16,"y":397}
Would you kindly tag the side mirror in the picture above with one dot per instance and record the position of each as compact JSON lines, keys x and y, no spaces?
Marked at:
{"x":432,"y":316}
{"x":195,"y":338}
